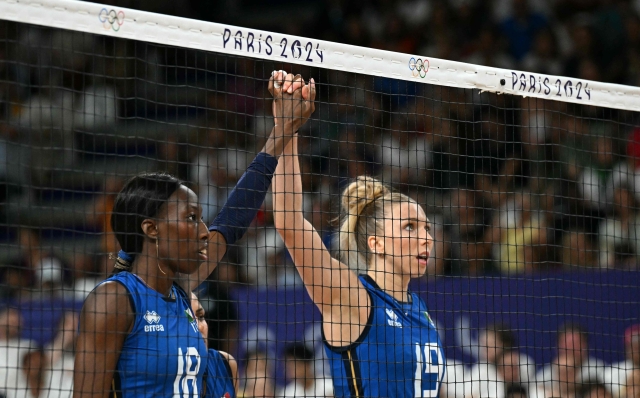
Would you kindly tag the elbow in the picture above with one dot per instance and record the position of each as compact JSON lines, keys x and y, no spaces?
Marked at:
{"x":279,"y":219}
{"x":286,"y":227}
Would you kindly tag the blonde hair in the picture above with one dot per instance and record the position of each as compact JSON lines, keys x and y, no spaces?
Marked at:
{"x":363,"y":206}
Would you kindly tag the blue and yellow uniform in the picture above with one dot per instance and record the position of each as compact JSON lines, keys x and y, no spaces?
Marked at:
{"x":218,"y":378}
{"x":164,"y":354}
{"x":399,"y":353}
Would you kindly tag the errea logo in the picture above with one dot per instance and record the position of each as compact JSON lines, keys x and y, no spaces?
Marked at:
{"x":152,"y":319}
{"x":393,"y":318}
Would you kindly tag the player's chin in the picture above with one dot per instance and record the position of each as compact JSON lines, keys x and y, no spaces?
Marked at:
{"x":418,"y":269}
{"x":190,"y":266}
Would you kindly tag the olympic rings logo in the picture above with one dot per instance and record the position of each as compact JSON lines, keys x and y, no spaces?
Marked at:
{"x":111,"y":19}
{"x":418,"y":67}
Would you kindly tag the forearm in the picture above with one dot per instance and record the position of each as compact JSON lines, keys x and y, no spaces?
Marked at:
{"x":280,"y":136}
{"x":287,"y":189}
{"x":246,"y":199}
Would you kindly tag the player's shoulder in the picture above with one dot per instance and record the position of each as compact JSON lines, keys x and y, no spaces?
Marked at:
{"x":115,"y":284}
{"x":109,"y":296}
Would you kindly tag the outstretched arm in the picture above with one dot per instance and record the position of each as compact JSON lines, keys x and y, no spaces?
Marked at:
{"x":333,"y":287}
{"x":291,"y":111}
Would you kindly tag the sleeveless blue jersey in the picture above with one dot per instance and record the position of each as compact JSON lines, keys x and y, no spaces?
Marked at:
{"x":218,"y":378}
{"x":399,"y":353}
{"x":164,"y":354}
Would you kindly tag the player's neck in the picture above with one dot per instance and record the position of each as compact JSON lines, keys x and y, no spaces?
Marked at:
{"x":156,"y":275}
{"x":392,"y":283}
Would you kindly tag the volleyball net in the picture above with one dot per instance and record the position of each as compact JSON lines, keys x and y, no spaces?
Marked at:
{"x":530,"y":182}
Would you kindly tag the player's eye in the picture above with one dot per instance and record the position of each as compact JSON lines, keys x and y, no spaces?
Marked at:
{"x":409,"y":227}
{"x":192,"y":217}
{"x":201,"y":318}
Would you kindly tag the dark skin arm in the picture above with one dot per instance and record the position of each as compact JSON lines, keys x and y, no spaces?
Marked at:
{"x":105,"y":321}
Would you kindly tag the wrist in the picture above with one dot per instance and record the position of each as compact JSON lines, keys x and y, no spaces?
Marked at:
{"x":287,"y":128}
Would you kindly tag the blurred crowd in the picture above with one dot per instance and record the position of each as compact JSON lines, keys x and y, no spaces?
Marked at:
{"x":500,"y":369}
{"x":512,"y":186}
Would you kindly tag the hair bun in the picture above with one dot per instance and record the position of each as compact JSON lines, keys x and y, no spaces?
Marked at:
{"x":360,"y":193}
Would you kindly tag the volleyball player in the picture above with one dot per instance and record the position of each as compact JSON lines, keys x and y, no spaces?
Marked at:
{"x":138,"y":335}
{"x":221,"y":375}
{"x":379,"y":338}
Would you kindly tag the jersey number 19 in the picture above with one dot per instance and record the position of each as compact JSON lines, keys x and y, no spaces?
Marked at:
{"x":429,"y":366}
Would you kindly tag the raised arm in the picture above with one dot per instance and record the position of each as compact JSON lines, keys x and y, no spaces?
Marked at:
{"x":291,"y":111}
{"x":333,"y":287}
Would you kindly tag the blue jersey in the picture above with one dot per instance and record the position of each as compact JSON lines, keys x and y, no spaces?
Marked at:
{"x":164,"y":354}
{"x":218,"y":378}
{"x":399,"y":353}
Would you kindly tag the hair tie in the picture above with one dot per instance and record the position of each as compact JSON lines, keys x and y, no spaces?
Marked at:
{"x":123,"y":261}
{"x":125,"y":256}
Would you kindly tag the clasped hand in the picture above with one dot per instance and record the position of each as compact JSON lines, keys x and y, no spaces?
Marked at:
{"x":293,"y":101}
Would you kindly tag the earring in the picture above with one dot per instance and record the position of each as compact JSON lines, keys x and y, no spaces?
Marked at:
{"x":158,"y":257}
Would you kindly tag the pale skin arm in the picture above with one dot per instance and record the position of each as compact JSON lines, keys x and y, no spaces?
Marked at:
{"x":333,"y":287}
{"x":292,"y":107}
{"x":233,"y":364}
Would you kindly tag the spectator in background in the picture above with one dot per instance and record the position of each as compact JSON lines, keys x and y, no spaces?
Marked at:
{"x":468,"y":230}
{"x":521,"y":236}
{"x":594,"y":390}
{"x":544,"y":57}
{"x":563,"y":380}
{"x":46,"y":273}
{"x":619,"y":234}
{"x":632,"y":385}
{"x":516,"y":369}
{"x":48,"y":372}
{"x":259,"y":378}
{"x":616,"y":375}
{"x":262,"y":258}
{"x":404,"y":155}
{"x":496,"y":367}
{"x":598,"y":179}
{"x":516,"y":391}
{"x":632,"y":48}
{"x":99,"y":214}
{"x":13,"y":349}
{"x":572,"y":363}
{"x":34,"y":372}
{"x":14,"y":282}
{"x":488,"y":50}
{"x":49,"y":300}
{"x":584,"y":46}
{"x":521,"y":28}
{"x":220,"y":309}
{"x":577,"y":250}
{"x":301,"y":377}
{"x":456,"y":380}
{"x":440,"y":256}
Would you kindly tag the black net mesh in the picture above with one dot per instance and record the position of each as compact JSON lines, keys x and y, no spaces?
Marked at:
{"x":532,"y":281}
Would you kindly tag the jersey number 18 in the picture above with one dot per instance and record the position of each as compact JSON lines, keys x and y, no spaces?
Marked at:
{"x":188,"y":367}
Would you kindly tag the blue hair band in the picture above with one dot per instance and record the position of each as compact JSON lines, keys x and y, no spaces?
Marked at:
{"x":125,"y":256}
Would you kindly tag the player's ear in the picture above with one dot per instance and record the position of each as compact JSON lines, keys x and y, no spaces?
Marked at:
{"x":149,"y":228}
{"x":375,"y":245}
